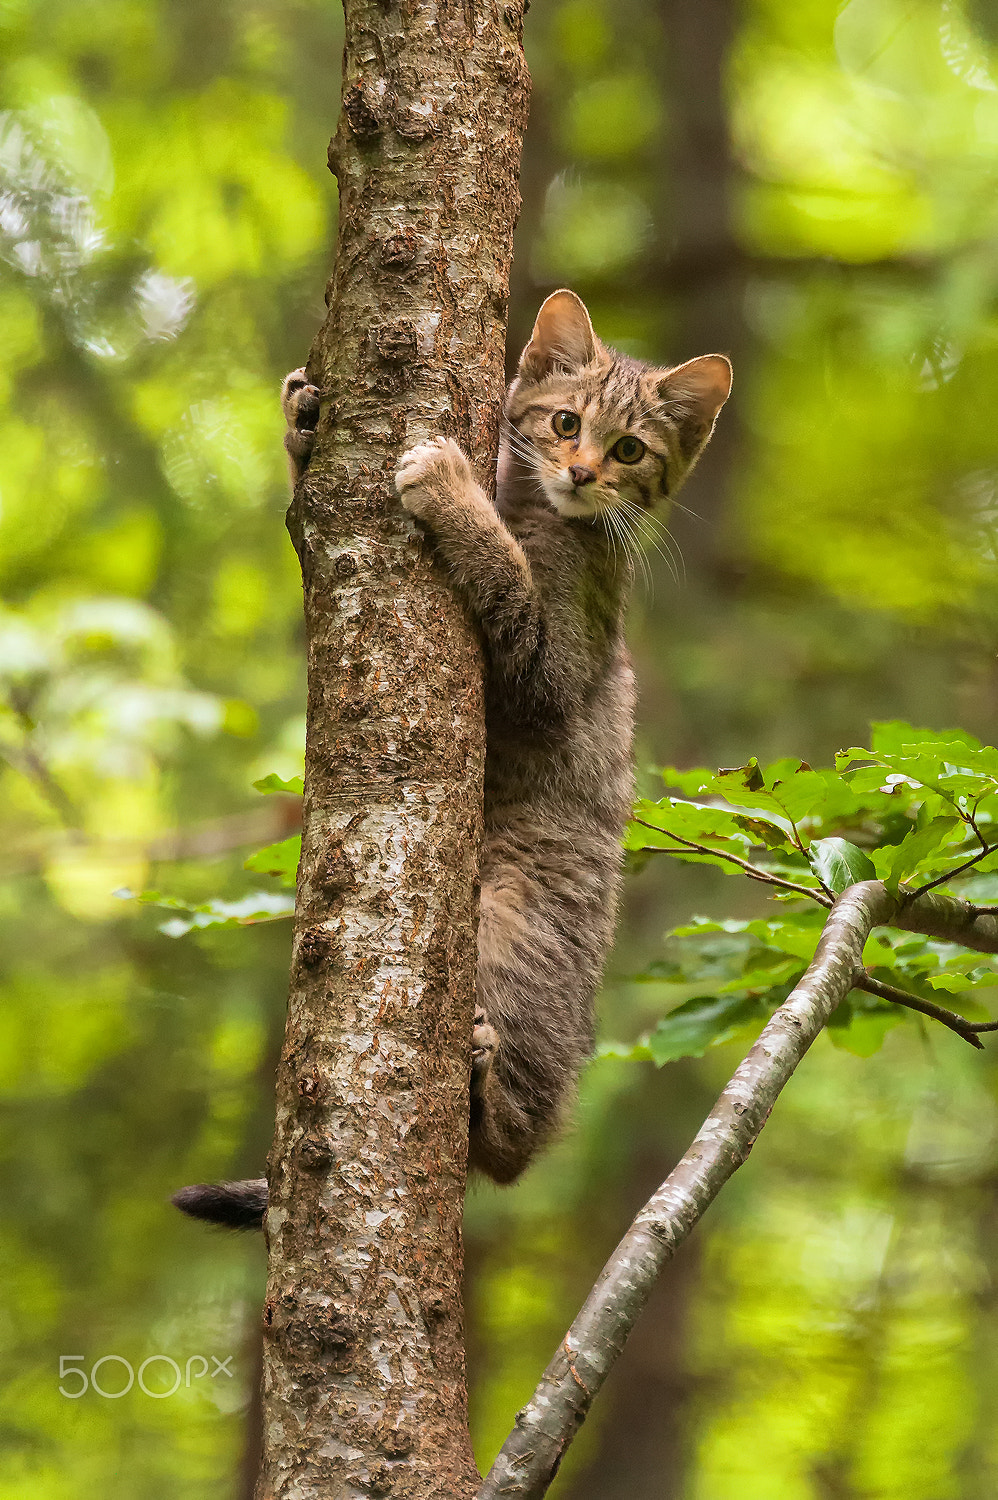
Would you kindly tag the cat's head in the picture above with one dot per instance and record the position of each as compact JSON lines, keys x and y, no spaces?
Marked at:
{"x":602,"y":431}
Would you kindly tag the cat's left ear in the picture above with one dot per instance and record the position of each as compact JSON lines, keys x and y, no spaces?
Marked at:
{"x":695,"y":393}
{"x":562,"y":339}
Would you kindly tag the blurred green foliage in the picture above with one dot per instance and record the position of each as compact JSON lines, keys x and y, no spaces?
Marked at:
{"x":810,"y":186}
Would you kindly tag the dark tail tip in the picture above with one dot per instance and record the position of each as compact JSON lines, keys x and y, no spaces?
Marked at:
{"x":236,"y":1205}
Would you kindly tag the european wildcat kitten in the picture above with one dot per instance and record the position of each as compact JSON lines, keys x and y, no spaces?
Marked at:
{"x":592,"y":440}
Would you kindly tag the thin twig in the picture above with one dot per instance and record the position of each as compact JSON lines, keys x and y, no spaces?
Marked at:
{"x":864,"y":981}
{"x":969,"y":864}
{"x":755,"y":871}
{"x":32,"y":765}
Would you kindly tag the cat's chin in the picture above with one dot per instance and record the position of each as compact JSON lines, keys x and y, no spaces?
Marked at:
{"x":568,"y":503}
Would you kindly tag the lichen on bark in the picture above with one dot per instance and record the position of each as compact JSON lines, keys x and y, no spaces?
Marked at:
{"x":364,"y":1382}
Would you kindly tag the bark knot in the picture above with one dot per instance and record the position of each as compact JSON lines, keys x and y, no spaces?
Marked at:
{"x":395,"y":1440}
{"x":399,"y":250}
{"x":396,"y":341}
{"x":316,"y":946}
{"x":316,"y":1153}
{"x":360,"y":108}
{"x":415,"y":126}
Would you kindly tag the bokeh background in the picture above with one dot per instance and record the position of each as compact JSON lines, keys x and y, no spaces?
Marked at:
{"x":808,"y":186}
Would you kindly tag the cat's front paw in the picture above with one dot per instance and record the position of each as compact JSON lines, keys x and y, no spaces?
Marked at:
{"x":300,"y":404}
{"x":431,"y":471}
{"x":483,"y":1048}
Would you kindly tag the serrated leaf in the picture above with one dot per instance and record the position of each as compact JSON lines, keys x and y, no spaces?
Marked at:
{"x":770,"y":831}
{"x":840,"y":864}
{"x":274,"y":783}
{"x":277,"y":859}
{"x":692,"y":783}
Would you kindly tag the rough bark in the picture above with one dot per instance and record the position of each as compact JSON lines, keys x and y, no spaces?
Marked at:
{"x":364,"y":1382}
{"x":546,"y":1426}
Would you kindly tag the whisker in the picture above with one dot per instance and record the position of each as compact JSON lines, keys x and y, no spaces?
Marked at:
{"x":520,"y":445}
{"x":685,"y":509}
{"x":514,"y":432}
{"x":610,"y":533}
{"x":512,"y":427}
{"x":636,"y":550}
{"x":647,"y":524}
{"x":522,"y":449}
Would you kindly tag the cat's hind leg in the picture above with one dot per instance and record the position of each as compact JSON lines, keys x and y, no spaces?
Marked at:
{"x":530,"y":1039}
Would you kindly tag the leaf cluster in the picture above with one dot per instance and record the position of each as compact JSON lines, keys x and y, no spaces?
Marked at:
{"x":917,"y":810}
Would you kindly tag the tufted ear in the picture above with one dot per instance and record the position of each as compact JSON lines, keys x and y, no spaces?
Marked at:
{"x":695,"y":393}
{"x":562,"y":339}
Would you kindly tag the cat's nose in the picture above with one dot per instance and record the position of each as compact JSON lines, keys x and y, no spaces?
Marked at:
{"x":580,"y":474}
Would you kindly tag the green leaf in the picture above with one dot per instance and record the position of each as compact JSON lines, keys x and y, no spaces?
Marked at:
{"x":913,"y":849}
{"x":796,"y":936}
{"x":749,"y":777}
{"x":840,"y":864}
{"x":893,"y":736}
{"x":865,"y":1032}
{"x":258,"y":906}
{"x":956,"y":984}
{"x":905,"y":952}
{"x":769,"y":831}
{"x":701,"y":1023}
{"x":277,"y":859}
{"x":630,"y":1051}
{"x":275,"y":783}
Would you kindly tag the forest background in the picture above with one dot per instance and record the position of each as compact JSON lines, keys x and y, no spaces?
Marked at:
{"x":807,"y":186}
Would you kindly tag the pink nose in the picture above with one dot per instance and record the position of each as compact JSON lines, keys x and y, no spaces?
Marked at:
{"x":580,"y":474}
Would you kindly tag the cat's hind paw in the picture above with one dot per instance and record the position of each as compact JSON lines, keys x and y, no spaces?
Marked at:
{"x":432,"y":470}
{"x":300,"y":404}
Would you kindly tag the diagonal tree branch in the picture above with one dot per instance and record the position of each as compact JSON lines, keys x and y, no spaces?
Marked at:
{"x":545,"y":1427}
{"x":547,"y":1424}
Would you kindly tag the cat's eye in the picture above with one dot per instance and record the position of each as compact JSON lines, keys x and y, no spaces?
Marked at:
{"x":628,"y":450}
{"x":566,"y":423}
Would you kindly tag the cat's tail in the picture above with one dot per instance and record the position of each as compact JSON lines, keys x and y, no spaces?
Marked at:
{"x":236,"y":1205}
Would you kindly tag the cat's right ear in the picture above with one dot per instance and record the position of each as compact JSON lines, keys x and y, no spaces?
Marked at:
{"x":562,"y":339}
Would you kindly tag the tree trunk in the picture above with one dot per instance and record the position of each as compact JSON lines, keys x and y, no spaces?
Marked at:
{"x":364,"y":1383}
